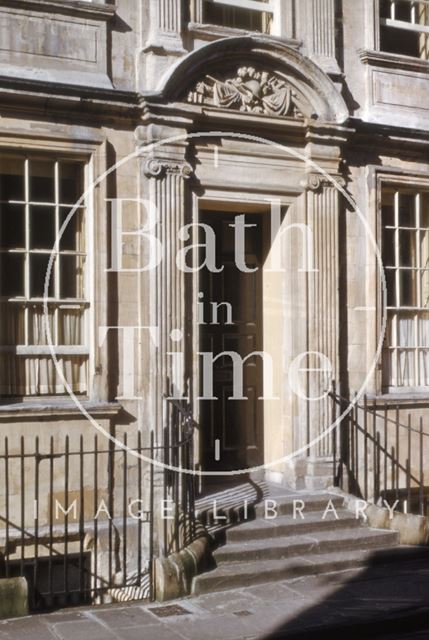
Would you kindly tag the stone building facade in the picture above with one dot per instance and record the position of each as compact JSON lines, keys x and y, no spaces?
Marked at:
{"x":308,"y":117}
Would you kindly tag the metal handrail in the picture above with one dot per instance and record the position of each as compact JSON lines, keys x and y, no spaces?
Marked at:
{"x":336,"y":396}
{"x":372,"y":460}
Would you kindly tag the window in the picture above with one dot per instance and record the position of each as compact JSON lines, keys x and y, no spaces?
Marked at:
{"x":405,"y":222}
{"x":251,"y":15}
{"x":36,"y":195}
{"x":404,"y":27}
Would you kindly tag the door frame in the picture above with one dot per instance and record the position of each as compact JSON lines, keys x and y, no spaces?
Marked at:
{"x":241,"y":202}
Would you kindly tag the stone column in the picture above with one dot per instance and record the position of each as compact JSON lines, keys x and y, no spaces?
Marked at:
{"x":323,"y":218}
{"x":167,"y":178}
{"x":323,"y":321}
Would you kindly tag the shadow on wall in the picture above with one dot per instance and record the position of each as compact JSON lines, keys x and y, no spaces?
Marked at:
{"x":388,"y":599}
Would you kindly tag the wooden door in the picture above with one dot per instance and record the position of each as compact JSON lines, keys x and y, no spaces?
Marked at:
{"x":232,"y":429}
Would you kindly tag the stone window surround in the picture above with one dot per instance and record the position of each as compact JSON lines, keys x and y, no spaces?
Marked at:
{"x":282,"y":22}
{"x":371,"y":52}
{"x":60,"y":301}
{"x":383,"y":176}
{"x":91,"y":153}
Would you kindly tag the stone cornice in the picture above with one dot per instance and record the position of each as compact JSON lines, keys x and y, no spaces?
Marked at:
{"x":98,"y":11}
{"x":328,"y":133}
{"x":388,"y":134}
{"x":33,"y":96}
{"x":393,"y":61}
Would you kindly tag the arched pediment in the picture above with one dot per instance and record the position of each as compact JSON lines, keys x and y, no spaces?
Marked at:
{"x":254,"y":74}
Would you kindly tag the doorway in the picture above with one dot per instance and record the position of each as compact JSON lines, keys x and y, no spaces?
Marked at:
{"x":230,"y":318}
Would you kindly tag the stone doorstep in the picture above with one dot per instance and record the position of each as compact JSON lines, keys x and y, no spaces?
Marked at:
{"x":286,"y":525}
{"x":321,"y":541}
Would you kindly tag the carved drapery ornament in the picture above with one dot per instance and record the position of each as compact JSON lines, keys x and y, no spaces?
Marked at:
{"x":252,"y":91}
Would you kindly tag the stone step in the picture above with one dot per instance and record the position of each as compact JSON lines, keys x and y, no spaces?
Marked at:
{"x":235,"y":575}
{"x":316,"y":543}
{"x":286,"y":525}
{"x":285,"y":505}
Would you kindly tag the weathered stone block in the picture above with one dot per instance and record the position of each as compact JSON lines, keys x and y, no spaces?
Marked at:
{"x":13,"y":597}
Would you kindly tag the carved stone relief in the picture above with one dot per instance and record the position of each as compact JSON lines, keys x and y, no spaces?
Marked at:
{"x":251,"y":90}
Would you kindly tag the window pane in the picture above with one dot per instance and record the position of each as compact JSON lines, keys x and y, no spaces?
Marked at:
{"x":71,"y":183}
{"x":12,"y":226}
{"x":424,"y":249}
{"x":424,"y":367}
{"x":407,"y":210}
{"x":390,"y":334}
{"x":424,"y":212}
{"x":11,"y":179}
{"x":37,"y":325}
{"x":406,"y":331}
{"x":38,"y":272}
{"x":403,"y":11}
{"x":75,"y":371}
{"x":385,"y":8}
{"x":236,"y":17}
{"x":42,"y":227}
{"x":388,"y":247}
{"x":424,"y":330}
{"x":42,"y":181}
{"x":402,"y":41}
{"x":424,"y":46}
{"x":406,"y":374}
{"x":407,"y":288}
{"x":71,"y":276}
{"x":421,"y":13}
{"x":72,"y":236}
{"x":407,"y":248}
{"x":12,"y":274}
{"x":424,"y":284}
{"x":70,"y":327}
{"x":388,"y":215}
{"x":12,"y":331}
{"x":391,"y":288}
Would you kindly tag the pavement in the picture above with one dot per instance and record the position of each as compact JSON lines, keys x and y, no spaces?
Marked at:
{"x":387,"y":602}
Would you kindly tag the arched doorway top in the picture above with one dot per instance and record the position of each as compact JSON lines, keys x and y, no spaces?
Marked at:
{"x":254,"y":73}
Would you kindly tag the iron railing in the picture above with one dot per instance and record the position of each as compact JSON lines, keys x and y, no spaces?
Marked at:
{"x":78,"y":517}
{"x":378,"y":457}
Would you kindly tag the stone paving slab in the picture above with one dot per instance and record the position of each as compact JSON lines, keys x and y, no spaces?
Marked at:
{"x":387,"y":603}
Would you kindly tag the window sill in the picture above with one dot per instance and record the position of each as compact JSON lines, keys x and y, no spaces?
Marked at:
{"x":214,"y":32}
{"x":95,"y":10}
{"x":411,"y":398}
{"x":393,"y":61}
{"x":57,"y":408}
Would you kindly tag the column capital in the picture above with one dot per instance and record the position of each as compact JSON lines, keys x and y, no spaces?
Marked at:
{"x":160,"y":167}
{"x":317,"y":181}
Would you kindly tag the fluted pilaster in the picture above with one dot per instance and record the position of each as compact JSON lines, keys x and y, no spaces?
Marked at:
{"x":166,"y":20}
{"x":167,"y":186}
{"x":322,"y":44}
{"x":323,"y":300}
